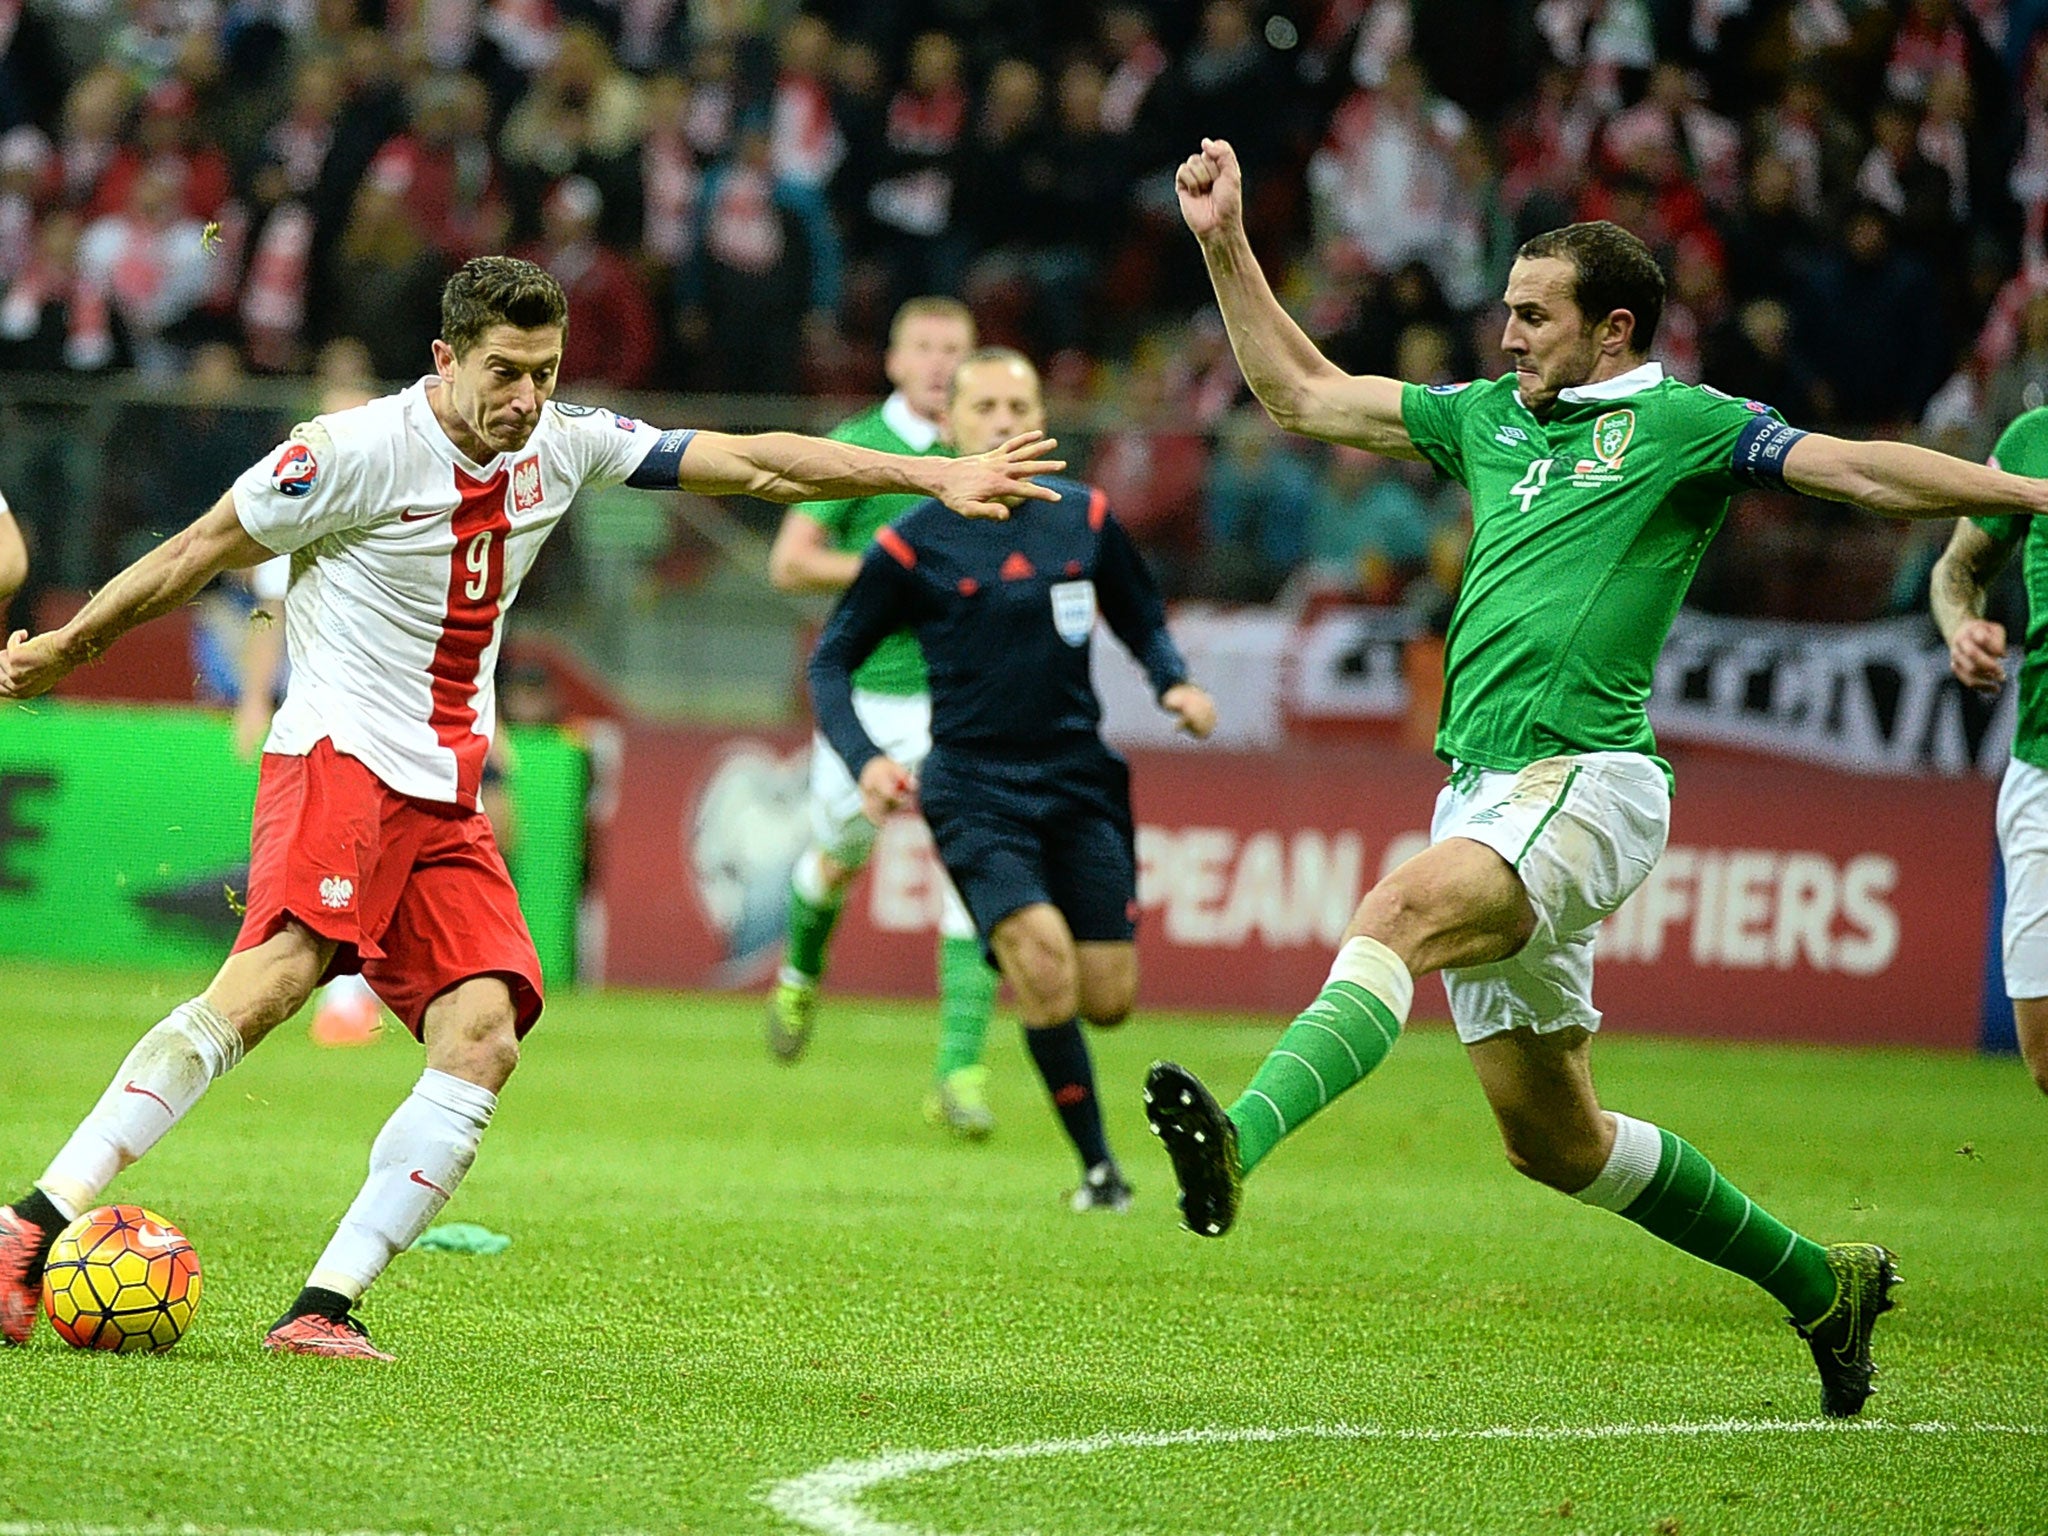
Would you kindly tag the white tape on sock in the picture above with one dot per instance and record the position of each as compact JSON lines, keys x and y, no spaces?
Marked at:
{"x":1367,"y":963}
{"x":1638,"y":1149}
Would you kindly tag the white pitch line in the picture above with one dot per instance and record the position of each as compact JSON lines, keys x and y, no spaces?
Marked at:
{"x":166,"y":1528}
{"x":827,"y":1501}
{"x":174,"y":1528}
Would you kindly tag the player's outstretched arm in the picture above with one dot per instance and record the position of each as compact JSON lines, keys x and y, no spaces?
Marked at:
{"x":1901,"y":480}
{"x":1962,"y":578}
{"x":787,"y":466}
{"x":168,"y":577}
{"x":13,"y":558}
{"x":1302,"y":390}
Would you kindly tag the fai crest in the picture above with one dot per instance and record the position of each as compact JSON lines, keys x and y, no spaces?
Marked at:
{"x":1073,"y":610}
{"x":526,"y":491}
{"x":336,"y":892}
{"x":1611,"y":435}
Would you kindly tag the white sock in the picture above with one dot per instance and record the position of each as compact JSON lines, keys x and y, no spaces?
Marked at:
{"x":1630,"y":1166}
{"x":416,"y":1163}
{"x":1367,"y":963}
{"x":164,"y":1076}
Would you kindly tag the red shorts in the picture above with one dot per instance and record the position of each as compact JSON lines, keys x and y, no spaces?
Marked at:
{"x":414,"y":892}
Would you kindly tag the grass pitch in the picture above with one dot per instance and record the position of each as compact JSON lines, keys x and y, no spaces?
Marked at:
{"x":733,"y":1287}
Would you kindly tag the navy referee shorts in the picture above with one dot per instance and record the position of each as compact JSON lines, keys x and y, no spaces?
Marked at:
{"x":1015,"y":833}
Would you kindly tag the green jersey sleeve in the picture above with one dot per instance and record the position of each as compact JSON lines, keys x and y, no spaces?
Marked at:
{"x":2022,"y":450}
{"x":1727,"y":442}
{"x":1435,"y":416}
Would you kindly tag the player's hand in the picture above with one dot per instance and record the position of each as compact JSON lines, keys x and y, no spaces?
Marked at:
{"x":885,"y":786}
{"x":1192,"y":706}
{"x":1211,"y":190}
{"x":32,"y":666}
{"x":1977,"y":655}
{"x":989,"y":484}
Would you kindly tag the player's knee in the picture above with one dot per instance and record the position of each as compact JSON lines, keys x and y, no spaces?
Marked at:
{"x":1044,"y":981}
{"x":487,"y":1056}
{"x":259,"y":989}
{"x":473,"y":1033}
{"x":1046,"y":990}
{"x":1395,"y":913}
{"x":1107,"y":1015}
{"x":1106,"y":1003}
{"x":1538,"y":1154}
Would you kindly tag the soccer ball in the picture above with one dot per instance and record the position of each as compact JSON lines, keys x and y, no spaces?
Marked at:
{"x":123,"y":1279}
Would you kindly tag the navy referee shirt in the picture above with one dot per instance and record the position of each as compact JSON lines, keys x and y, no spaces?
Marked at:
{"x":1004,"y":612}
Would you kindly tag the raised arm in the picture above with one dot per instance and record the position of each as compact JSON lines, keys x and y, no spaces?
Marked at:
{"x":13,"y":559}
{"x":1901,"y":480}
{"x":1302,"y":390}
{"x":168,"y":577}
{"x":1962,"y":577}
{"x":787,"y":466}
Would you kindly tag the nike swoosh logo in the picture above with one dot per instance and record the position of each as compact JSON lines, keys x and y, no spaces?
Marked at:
{"x":415,"y":515}
{"x":420,"y":1178}
{"x":131,"y":1088}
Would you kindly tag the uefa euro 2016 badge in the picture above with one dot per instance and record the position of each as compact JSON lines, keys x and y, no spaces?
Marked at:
{"x":295,"y":470}
{"x":1612,"y":433}
{"x":1073,"y":610}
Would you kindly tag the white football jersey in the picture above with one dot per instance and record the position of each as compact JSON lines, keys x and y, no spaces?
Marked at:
{"x":405,"y":555}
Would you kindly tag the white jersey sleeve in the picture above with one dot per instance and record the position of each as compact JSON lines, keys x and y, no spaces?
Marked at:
{"x":317,"y":483}
{"x":271,"y":581}
{"x":610,"y":449}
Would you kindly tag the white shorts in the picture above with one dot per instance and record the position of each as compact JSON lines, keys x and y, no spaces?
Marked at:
{"x":2023,"y":843}
{"x":1582,"y":832}
{"x":901,"y":725}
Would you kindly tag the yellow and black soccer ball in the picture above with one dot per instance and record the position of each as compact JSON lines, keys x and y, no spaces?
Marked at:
{"x":121,"y":1278}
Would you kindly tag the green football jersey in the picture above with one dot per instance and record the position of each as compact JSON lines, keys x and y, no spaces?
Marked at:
{"x":897,"y":665}
{"x":2023,"y":449}
{"x":1586,"y":530}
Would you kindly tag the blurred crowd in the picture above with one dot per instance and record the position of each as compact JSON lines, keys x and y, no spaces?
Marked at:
{"x":1850,"y":198}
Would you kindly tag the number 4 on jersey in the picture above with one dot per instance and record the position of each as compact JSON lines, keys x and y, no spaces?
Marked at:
{"x":1530,"y":486}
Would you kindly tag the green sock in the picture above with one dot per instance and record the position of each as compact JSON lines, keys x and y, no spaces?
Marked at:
{"x":810,"y":930}
{"x":1330,"y":1046}
{"x":967,"y":996}
{"x":1690,"y":1206}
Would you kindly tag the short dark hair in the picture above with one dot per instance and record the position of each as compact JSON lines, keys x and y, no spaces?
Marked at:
{"x":498,"y":290}
{"x":1613,"y":270}
{"x":982,"y":355}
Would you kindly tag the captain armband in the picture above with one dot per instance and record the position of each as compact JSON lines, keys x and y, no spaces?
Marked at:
{"x":1759,"y":456}
{"x":663,"y":466}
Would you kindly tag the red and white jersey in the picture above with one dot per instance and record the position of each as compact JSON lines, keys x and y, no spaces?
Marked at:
{"x":405,"y":555}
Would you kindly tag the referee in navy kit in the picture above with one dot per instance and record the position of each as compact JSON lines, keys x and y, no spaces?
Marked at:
{"x":1030,"y":810}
